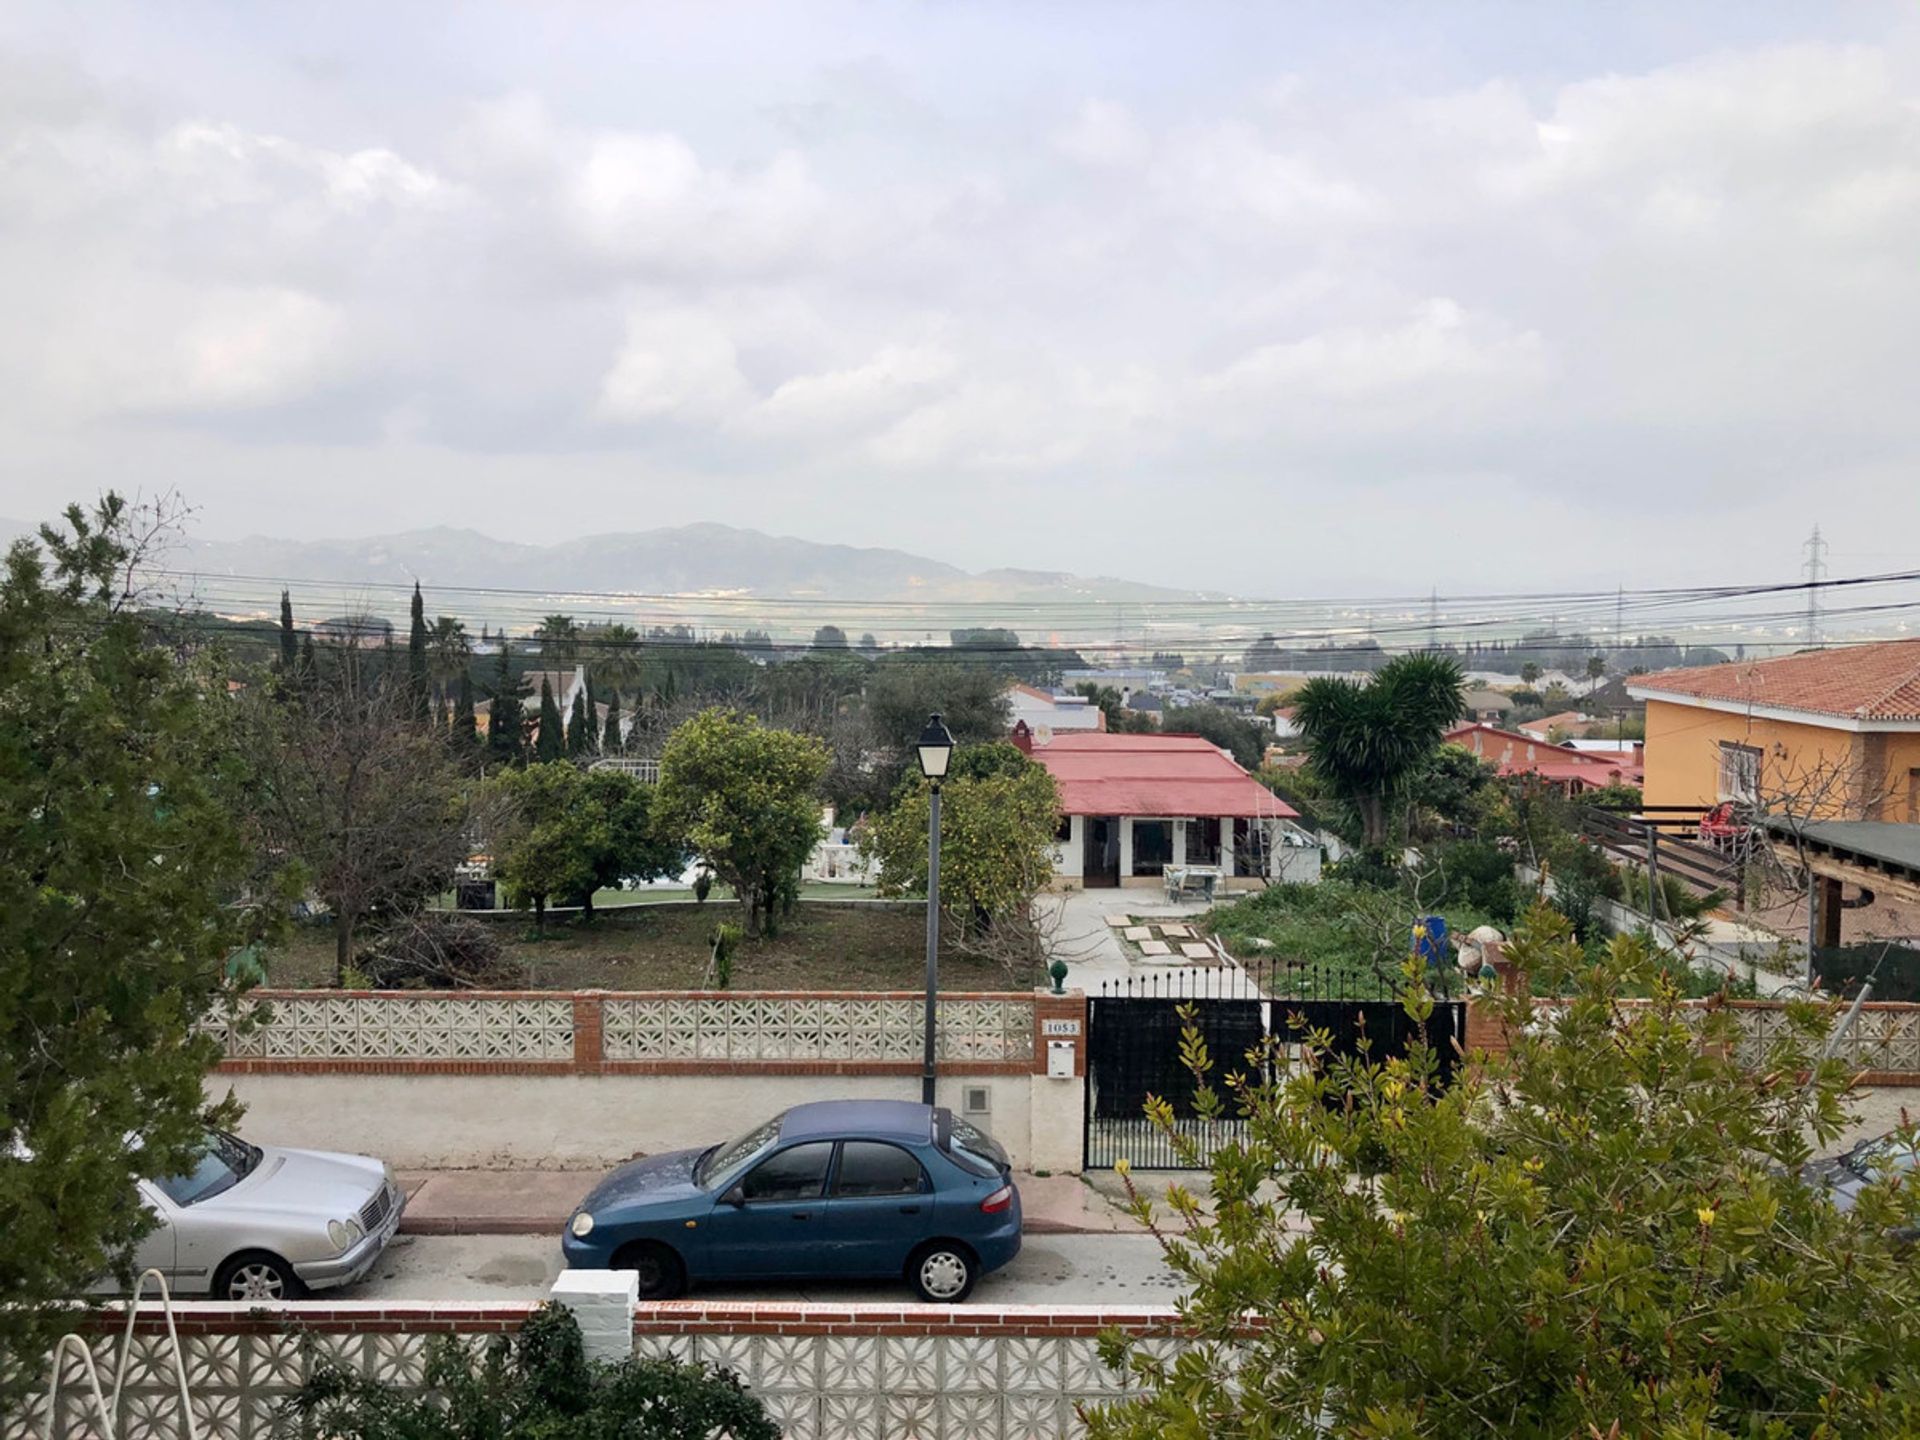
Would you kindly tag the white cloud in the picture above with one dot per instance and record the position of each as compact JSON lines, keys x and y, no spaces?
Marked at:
{"x":677,"y":364}
{"x":875,"y":266}
{"x":172,"y":351}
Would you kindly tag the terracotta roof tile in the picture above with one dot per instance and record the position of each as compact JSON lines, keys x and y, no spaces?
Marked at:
{"x":1855,"y":682}
{"x":1113,"y":774}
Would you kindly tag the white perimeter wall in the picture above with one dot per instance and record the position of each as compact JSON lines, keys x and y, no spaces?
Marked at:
{"x":580,"y":1121}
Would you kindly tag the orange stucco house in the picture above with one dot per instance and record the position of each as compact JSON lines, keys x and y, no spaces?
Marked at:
{"x":1831,"y":734}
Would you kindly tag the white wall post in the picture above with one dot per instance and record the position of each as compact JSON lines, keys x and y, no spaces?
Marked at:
{"x":1226,"y":846}
{"x":1179,"y":842}
{"x":602,"y":1302}
{"x":1126,"y":847}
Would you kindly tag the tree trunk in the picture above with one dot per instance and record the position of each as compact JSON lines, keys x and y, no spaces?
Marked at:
{"x":586,"y":906}
{"x":1373,"y":822}
{"x":540,"y":917}
{"x":751,"y":901}
{"x":342,"y":946}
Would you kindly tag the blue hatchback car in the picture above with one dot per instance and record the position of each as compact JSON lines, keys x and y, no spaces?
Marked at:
{"x":841,"y":1188}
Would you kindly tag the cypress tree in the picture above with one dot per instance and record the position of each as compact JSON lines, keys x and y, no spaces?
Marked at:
{"x":466,"y":729}
{"x":507,"y":724}
{"x":579,"y":729}
{"x":551,"y":742}
{"x":289,"y":644}
{"x":610,"y":741}
{"x":417,"y":674}
{"x":307,"y":662}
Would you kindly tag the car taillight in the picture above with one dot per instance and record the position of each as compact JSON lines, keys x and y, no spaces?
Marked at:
{"x":1000,"y":1200}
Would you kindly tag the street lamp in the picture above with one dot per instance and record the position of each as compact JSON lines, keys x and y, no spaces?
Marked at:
{"x":935,"y":747}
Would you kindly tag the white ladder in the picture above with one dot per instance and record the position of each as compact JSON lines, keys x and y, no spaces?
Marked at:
{"x":106,"y":1414}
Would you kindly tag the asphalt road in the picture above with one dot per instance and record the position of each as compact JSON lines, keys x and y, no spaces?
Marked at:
{"x":1050,"y":1270}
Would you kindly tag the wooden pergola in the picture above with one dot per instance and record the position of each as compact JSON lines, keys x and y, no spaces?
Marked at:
{"x":1881,"y":857}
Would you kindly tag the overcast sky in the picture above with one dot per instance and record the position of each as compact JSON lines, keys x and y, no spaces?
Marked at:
{"x":1288,"y":299}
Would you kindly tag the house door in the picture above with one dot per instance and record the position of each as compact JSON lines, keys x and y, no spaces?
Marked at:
{"x":1100,"y":860}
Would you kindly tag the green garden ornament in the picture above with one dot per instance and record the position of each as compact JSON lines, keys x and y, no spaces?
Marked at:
{"x":1058,"y":970}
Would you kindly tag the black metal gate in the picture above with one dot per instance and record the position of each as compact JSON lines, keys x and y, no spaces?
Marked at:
{"x":1133,"y":1046}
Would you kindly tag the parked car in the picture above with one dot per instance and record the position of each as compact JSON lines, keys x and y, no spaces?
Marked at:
{"x":262,"y":1223}
{"x":844,"y":1188}
{"x":1845,"y":1176}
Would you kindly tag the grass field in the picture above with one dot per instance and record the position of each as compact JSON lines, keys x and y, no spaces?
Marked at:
{"x":654,"y":947}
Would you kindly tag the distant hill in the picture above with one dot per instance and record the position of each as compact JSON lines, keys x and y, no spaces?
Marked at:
{"x":681,"y":560}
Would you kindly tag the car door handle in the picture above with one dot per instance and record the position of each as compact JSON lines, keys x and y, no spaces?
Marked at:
{"x":800,"y":1215}
{"x":909,"y":1209}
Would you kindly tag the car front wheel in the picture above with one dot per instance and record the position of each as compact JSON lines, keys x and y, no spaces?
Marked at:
{"x":662,"y":1276}
{"x":257,"y":1278}
{"x":943,"y":1272}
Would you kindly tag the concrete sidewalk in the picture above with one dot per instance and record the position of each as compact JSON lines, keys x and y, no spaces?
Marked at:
{"x":538,"y":1202}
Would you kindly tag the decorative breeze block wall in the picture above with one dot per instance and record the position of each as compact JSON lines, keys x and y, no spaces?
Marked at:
{"x":788,"y":1028}
{"x":824,"y":1372}
{"x":409,"y":1027}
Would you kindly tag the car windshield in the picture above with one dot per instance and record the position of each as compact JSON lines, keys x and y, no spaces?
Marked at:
{"x":724,"y":1159}
{"x":224,"y":1162}
{"x":973,"y":1148}
{"x":1872,"y":1158}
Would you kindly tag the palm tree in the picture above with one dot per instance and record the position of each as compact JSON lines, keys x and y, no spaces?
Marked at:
{"x":1529,"y":673}
{"x":616,"y":662}
{"x":449,"y":648}
{"x":1368,"y":741}
{"x":1596,"y":669}
{"x":559,"y":641}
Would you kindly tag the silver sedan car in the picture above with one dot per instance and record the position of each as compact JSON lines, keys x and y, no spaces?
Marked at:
{"x":259,"y":1223}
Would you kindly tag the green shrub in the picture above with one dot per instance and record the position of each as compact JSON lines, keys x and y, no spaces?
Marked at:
{"x":1479,"y":874}
{"x":537,"y":1385}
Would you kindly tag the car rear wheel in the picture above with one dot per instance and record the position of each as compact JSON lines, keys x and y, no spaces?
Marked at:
{"x":662,"y":1275}
{"x":942,"y":1272}
{"x":258,"y":1278}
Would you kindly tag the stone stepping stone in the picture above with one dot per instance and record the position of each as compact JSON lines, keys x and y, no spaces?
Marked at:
{"x":1197,"y":950}
{"x":1177,"y":932}
{"x":1118,"y":922}
{"x":1138,"y":932}
{"x":1155,"y":947}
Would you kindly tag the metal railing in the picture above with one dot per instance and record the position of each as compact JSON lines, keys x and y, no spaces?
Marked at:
{"x":107,"y":1414}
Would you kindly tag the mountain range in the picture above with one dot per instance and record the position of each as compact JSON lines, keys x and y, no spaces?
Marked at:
{"x":689,"y":560}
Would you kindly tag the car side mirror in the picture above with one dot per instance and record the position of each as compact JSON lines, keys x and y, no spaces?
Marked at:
{"x":735,"y":1197}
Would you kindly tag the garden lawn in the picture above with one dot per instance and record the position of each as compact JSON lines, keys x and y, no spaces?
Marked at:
{"x":664,"y":947}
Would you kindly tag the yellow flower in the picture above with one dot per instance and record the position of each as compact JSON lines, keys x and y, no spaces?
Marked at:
{"x":1705,"y":1214}
{"x":1122,"y":1167}
{"x":1533,"y":1165}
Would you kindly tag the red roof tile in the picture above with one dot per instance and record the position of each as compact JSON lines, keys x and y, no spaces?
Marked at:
{"x":1854,"y":682}
{"x":1513,"y":753}
{"x":1173,"y":775}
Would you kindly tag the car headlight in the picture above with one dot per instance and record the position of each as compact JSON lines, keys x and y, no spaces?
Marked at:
{"x":344,"y":1234}
{"x":582,"y":1225}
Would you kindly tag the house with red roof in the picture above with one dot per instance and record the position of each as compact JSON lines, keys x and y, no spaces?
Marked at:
{"x":1132,"y":805}
{"x":1513,"y":752}
{"x":1832,"y":733}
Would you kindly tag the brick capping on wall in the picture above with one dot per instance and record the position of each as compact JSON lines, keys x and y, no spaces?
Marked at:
{"x":676,"y":1317}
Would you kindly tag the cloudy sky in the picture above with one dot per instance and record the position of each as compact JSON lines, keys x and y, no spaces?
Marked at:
{"x":1287,"y":299}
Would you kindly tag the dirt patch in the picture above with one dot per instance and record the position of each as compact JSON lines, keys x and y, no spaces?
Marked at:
{"x":659,"y":947}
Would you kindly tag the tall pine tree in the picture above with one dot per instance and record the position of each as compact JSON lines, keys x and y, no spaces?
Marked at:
{"x":418,"y":683}
{"x":579,"y":728}
{"x":289,"y":643}
{"x":308,"y":665}
{"x":551,"y":742}
{"x":610,"y":740}
{"x":506,"y":725}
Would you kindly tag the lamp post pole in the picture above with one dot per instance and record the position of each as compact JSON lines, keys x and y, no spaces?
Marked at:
{"x":933,"y":937}
{"x":935,"y":750}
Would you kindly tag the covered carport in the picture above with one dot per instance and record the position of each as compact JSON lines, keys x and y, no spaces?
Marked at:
{"x":1879,"y":857}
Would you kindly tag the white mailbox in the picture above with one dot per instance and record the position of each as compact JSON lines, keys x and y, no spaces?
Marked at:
{"x":1060,"y":1059}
